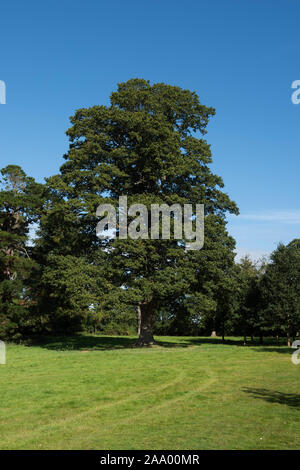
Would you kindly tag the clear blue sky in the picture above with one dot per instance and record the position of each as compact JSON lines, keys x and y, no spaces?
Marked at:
{"x":240,"y":56}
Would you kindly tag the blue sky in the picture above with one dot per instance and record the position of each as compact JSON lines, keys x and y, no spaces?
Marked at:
{"x":240,"y":56}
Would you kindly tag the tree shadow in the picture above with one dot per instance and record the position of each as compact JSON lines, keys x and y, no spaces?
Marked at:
{"x":199,"y":340}
{"x":277,"y":349}
{"x":94,"y":343}
{"x":290,"y":399}
{"x":90,"y":342}
{"x":82,"y":342}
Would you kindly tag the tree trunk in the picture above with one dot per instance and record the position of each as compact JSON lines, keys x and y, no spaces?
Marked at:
{"x":288,"y":340}
{"x":146,"y":325}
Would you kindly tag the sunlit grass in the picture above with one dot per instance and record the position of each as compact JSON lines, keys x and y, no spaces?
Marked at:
{"x":90,"y":392}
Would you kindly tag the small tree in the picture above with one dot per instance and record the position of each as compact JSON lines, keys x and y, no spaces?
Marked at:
{"x":280,"y":290}
{"x":246,"y":320}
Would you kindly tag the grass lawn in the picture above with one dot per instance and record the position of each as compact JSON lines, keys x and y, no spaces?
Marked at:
{"x":97,"y":392}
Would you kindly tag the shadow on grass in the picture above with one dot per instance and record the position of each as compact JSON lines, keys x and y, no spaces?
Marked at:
{"x":269,"y":344}
{"x":82,"y":342}
{"x":96,"y":343}
{"x":103,"y":343}
{"x":277,"y":349}
{"x":290,"y":399}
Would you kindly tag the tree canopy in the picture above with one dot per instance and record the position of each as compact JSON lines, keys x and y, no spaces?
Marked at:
{"x":149,"y":145}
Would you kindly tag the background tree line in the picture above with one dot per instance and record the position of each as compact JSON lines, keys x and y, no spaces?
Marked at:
{"x":148,"y":145}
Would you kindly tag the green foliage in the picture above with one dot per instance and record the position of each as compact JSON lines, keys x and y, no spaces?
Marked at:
{"x":245,"y":317}
{"x":280,"y":290}
{"x":211,"y":275}
{"x":147,"y":145}
{"x":20,"y":204}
